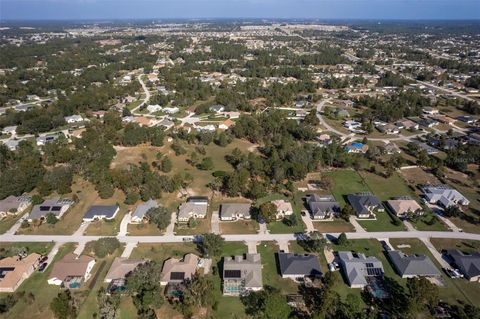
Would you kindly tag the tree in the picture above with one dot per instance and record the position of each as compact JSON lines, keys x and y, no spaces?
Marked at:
{"x":105,"y":246}
{"x":290,"y":220}
{"x":452,"y":211}
{"x":268,"y":303}
{"x":211,"y":244}
{"x":166,"y":165}
{"x":143,"y":285}
{"x":342,"y":239}
{"x":315,"y":242}
{"x":206,"y":164}
{"x":346,"y":212}
{"x":422,"y":294}
{"x":64,"y":306}
{"x":51,"y":219}
{"x":311,"y":118}
{"x":158,"y":216}
{"x":327,"y":182}
{"x":108,"y":304}
{"x":268,"y":211}
{"x":199,"y":292}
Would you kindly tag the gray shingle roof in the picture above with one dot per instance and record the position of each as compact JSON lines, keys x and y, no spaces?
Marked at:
{"x":469,"y":265}
{"x":231,"y":210}
{"x":414,"y":265}
{"x":357,"y":267}
{"x":300,"y":265}
{"x":361,"y":202}
{"x":101,"y":211}
{"x":143,"y":209}
{"x":54,"y":206}
{"x":248,"y":269}
{"x":321,"y":206}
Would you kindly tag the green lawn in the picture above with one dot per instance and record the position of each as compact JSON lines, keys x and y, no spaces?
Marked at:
{"x":43,"y":292}
{"x":335,"y":226}
{"x":10,"y":249}
{"x":346,"y":182}
{"x":230,"y":307}
{"x":161,"y":252}
{"x":423,"y":223}
{"x":270,"y":273}
{"x":9,"y":221}
{"x":468,"y":246}
{"x":455,"y":289}
{"x":384,"y":222}
{"x":386,"y":188}
{"x":278,"y":227}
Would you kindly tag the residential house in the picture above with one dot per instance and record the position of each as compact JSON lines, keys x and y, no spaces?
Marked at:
{"x":71,"y":271}
{"x":171,"y":110}
{"x":195,"y":207}
{"x":138,"y":215}
{"x":407,"y":124}
{"x":391,"y":148}
{"x":97,"y":212}
{"x":14,"y":205}
{"x":429,"y":110}
{"x":235,"y":211}
{"x":388,"y":129}
{"x":322,"y":207}
{"x":412,"y":266}
{"x":45,"y":139}
{"x":217,"y":108}
{"x":14,"y":270}
{"x":365,"y":204}
{"x":357,"y":268}
{"x":242,"y":274}
{"x":355,"y":147}
{"x":154,"y":108}
{"x":468,"y":264}
{"x":166,"y":123}
{"x":11,"y":144}
{"x":205,"y":128}
{"x":121,"y":267}
{"x":177,"y":271}
{"x":352,"y":125}
{"x":443,"y":195}
{"x":427,"y":123}
{"x":402,"y":206}
{"x":119,"y":270}
{"x":56,"y":206}
{"x":284,"y":208}
{"x":226,"y":124}
{"x":297,"y":267}
{"x":11,"y":130}
{"x":73,"y":119}
{"x":467,"y":119}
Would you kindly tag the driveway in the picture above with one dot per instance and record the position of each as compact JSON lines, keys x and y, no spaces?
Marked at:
{"x":308,"y":222}
{"x":171,"y":226}
{"x":128,"y":249}
{"x":215,"y":223}
{"x":252,"y":247}
{"x":435,"y":252}
{"x":124,"y":224}
{"x":283,"y":245}
{"x":356,"y":225}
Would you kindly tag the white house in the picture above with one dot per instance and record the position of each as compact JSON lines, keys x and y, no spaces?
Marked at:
{"x":73,"y":119}
{"x":171,"y":110}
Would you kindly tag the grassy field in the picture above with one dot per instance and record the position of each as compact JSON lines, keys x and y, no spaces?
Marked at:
{"x":270,"y":272}
{"x":239,"y":227}
{"x":423,"y":223}
{"x":202,"y":227}
{"x":161,"y":252}
{"x":468,"y":246}
{"x":384,"y":222}
{"x":386,"y":188}
{"x":44,"y":293}
{"x":9,"y":249}
{"x":335,"y":226}
{"x":9,"y":221}
{"x":144,"y":230}
{"x":346,"y":182}
{"x":455,"y":290}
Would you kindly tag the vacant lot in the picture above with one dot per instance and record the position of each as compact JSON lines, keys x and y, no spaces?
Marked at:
{"x":161,"y":252}
{"x":239,"y":227}
{"x":384,"y":222}
{"x":386,"y":188}
{"x":334,"y":226}
{"x":468,"y":246}
{"x":346,"y":182}
{"x":144,"y":229}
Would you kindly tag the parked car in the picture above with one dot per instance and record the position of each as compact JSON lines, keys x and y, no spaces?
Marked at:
{"x":43,"y":259}
{"x":42,"y":267}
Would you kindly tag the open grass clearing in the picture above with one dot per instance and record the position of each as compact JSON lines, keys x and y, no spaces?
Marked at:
{"x":334,"y":226}
{"x":383,"y":222}
{"x":161,"y":252}
{"x":346,"y":182}
{"x":239,"y":227}
{"x":468,"y":246}
{"x":386,"y":188}
{"x":144,"y":229}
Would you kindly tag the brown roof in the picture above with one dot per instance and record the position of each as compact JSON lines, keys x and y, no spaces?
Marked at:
{"x":188,"y":266}
{"x":23,"y":268}
{"x":121,"y":266}
{"x":402,"y":206}
{"x":70,"y":265}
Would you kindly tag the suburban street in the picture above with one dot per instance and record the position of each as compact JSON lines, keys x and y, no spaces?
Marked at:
{"x":250,"y":237}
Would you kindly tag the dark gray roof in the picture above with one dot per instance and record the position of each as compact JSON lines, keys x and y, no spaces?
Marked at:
{"x":469,"y":264}
{"x":301,"y":265}
{"x":414,"y":265}
{"x":362,"y":201}
{"x":320,"y":206}
{"x":101,"y":211}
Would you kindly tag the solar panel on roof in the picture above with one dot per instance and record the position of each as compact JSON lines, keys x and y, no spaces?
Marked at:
{"x":56,"y":208}
{"x":374,"y":271}
{"x":175,"y":275}
{"x":44,"y":208}
{"x":369,"y":265}
{"x":233,"y":274}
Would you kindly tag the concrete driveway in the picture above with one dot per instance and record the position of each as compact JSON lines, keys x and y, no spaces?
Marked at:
{"x":356,"y":225}
{"x":308,"y":222}
{"x":124,"y":224}
{"x":215,"y":223}
{"x":171,"y":226}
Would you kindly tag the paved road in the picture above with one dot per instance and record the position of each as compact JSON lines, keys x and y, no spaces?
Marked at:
{"x":320,"y":106}
{"x":249,"y":237}
{"x":147,"y":94}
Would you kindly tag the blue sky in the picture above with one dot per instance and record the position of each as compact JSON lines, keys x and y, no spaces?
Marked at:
{"x":323,"y":9}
